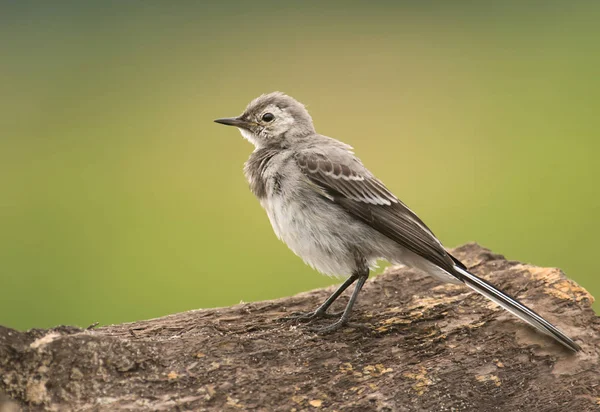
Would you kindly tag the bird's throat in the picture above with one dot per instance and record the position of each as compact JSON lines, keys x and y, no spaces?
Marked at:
{"x":248,"y":135}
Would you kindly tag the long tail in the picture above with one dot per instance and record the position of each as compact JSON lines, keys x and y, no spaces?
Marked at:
{"x":515,"y":307}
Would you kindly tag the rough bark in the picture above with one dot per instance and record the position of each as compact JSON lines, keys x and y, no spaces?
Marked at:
{"x":415,"y":345}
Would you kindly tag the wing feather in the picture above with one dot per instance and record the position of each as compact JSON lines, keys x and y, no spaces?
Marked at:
{"x":348,"y":183}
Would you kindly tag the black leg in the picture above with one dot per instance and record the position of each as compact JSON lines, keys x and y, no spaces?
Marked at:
{"x":323,"y":308}
{"x":344,"y":318}
{"x":321,"y":311}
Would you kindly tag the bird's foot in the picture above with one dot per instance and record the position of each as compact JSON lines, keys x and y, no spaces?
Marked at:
{"x":323,"y":330}
{"x":306,"y":317}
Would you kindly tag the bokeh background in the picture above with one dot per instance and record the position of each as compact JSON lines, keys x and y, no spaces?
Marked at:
{"x":120,"y":199}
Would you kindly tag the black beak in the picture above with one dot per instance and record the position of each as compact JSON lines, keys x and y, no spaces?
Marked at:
{"x":233,"y":121}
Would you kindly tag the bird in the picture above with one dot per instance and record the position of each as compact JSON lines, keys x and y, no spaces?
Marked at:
{"x":338,"y":217}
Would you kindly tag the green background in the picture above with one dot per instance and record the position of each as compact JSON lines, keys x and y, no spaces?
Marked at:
{"x":120,"y":199}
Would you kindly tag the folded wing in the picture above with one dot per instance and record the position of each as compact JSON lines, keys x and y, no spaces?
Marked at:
{"x":345,"y":181}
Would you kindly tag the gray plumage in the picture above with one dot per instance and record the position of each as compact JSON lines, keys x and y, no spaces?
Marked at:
{"x":336,"y":215}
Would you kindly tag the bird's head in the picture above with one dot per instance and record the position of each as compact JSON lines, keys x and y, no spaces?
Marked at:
{"x":272,"y":119}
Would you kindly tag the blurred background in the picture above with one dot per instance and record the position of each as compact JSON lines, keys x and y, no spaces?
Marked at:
{"x":121,"y":200}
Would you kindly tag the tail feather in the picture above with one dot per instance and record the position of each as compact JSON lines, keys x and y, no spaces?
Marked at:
{"x":515,"y":307}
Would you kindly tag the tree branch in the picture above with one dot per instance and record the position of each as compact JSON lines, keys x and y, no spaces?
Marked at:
{"x":416,"y":344}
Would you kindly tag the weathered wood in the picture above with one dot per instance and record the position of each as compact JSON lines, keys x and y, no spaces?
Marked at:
{"x":421,"y":345}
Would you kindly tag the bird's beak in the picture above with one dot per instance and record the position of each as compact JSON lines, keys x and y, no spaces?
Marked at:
{"x":234,"y":121}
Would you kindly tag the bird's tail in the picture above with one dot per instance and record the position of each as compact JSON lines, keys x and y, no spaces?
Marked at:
{"x":515,"y":307}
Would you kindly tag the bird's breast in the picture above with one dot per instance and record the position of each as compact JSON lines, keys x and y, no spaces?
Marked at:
{"x":258,"y":170}
{"x":311,"y":227}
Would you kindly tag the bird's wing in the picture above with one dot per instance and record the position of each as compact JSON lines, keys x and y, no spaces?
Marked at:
{"x":342,"y":179}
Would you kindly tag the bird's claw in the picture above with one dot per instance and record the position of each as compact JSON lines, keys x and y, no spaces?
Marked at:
{"x":323,"y":330}
{"x":306,"y":317}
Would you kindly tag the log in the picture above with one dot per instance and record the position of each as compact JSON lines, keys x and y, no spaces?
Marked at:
{"x":414,"y":344}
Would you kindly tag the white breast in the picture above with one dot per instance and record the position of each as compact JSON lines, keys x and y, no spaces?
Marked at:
{"x":306,"y":227}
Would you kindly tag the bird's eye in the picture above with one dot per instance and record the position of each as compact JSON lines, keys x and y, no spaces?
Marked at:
{"x":268,"y":117}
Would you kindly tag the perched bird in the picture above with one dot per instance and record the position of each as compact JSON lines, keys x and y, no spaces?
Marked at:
{"x":337,"y":216}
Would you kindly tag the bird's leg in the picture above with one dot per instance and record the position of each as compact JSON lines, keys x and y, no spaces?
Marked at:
{"x":321,"y":311}
{"x":362,"y":278}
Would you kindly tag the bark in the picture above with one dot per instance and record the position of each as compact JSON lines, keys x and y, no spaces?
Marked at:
{"x":414,"y":344}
